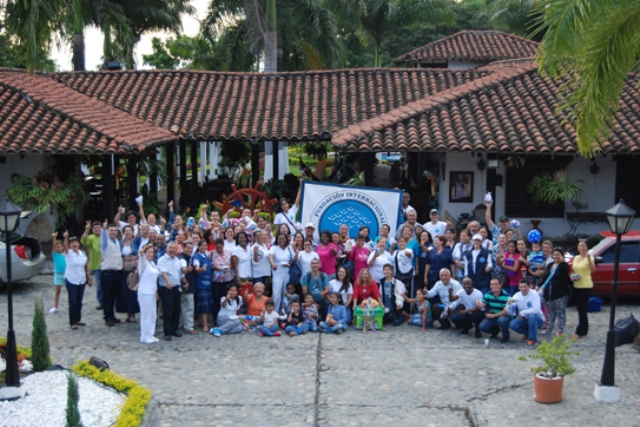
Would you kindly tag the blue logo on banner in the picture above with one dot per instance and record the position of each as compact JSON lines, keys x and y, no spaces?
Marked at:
{"x":354,"y":214}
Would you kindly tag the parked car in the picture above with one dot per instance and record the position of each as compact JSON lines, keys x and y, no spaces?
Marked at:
{"x":27,"y":259}
{"x":603,"y":248}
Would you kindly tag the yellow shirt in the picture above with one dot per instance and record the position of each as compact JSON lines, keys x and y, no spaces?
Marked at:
{"x":582,"y":268}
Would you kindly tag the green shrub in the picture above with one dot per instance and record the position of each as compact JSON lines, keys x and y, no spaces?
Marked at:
{"x":39,"y":339}
{"x":73,"y":413}
{"x":555,"y":357}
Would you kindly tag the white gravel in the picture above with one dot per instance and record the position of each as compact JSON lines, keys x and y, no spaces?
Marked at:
{"x":46,"y":402}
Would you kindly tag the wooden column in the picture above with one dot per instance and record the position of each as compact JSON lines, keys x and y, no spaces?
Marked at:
{"x":182,"y":153}
{"x":107,"y":187}
{"x":275,"y":158}
{"x":368,"y":160}
{"x":132,"y":182}
{"x":194,"y":165}
{"x":171,"y":175}
{"x":255,"y":162}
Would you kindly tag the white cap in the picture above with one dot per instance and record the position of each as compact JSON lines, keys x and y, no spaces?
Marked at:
{"x":310,"y":225}
{"x":477,"y":237}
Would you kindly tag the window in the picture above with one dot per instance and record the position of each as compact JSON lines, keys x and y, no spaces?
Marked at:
{"x":518,"y":201}
{"x":627,"y":178}
{"x":629,"y":253}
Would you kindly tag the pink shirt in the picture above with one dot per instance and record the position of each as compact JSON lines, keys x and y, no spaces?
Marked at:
{"x":359,"y":258}
{"x":327,"y":259}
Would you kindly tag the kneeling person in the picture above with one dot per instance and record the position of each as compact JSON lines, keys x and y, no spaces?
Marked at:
{"x":471,"y":299}
{"x":496,"y":317}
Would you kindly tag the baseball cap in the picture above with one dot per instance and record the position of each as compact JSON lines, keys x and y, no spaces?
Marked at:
{"x":433,"y":211}
{"x":310,"y":225}
{"x":503,"y":218}
{"x":477,"y":237}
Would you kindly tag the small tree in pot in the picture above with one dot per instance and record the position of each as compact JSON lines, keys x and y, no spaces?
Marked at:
{"x":549,"y":378}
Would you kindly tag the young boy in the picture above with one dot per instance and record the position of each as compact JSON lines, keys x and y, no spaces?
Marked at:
{"x":310,"y":313}
{"x":295,"y":321}
{"x":536,"y":259}
{"x":269,"y":319}
{"x":289,"y":295}
{"x":59,"y":269}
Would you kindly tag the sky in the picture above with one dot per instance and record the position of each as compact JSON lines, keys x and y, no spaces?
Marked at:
{"x":94,"y":40}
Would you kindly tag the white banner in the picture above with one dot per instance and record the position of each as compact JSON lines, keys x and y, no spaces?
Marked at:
{"x":330,"y":205}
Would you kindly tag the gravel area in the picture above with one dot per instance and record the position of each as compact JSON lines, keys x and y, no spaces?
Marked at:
{"x":46,"y":402}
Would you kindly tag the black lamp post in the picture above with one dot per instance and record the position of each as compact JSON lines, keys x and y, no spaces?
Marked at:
{"x":620,"y":218}
{"x":9,"y":218}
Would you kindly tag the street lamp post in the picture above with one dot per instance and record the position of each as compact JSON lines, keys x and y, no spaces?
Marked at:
{"x":9,"y":218}
{"x":620,"y":217}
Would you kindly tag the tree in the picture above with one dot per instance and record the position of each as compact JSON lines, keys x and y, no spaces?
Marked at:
{"x":160,"y":58}
{"x":73,"y":398}
{"x":39,"y":339}
{"x":513,"y":16}
{"x":591,"y":45}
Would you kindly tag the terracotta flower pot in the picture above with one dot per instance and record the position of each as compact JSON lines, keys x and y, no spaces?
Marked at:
{"x":547,"y":390}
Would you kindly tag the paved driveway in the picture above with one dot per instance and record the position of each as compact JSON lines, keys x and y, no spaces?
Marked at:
{"x":398,"y":376}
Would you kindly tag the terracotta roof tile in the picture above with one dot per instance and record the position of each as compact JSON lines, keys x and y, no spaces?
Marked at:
{"x":40,"y":115}
{"x":472,"y":46}
{"x":511,"y":110}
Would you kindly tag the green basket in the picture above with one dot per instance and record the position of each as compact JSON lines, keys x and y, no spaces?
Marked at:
{"x":359,"y":315}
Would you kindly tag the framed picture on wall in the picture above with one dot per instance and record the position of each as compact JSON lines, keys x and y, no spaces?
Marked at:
{"x":460,"y":187}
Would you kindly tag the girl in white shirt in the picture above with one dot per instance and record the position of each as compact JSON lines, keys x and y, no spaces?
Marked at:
{"x":342,"y":286}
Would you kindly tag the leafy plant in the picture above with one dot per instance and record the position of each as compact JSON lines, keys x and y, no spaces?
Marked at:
{"x":555,"y":357}
{"x":44,"y":192}
{"x":39,"y":339}
{"x":73,"y":397}
{"x":553,"y":187}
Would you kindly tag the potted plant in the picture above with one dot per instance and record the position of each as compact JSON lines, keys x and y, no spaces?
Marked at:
{"x":554,"y":187}
{"x":549,"y":378}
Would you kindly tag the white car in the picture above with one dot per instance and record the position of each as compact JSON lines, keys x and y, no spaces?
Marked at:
{"x":27,"y":259}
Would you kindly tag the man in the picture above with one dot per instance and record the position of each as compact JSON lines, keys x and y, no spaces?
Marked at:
{"x":501,"y":228}
{"x":459,"y":254}
{"x":406,"y":207}
{"x":169,"y":283}
{"x":435,"y":227}
{"x":496,"y":318}
{"x":529,"y":318}
{"x":478,"y":265}
{"x":443,"y":288}
{"x":309,"y":231}
{"x":110,"y":271}
{"x":143,"y":239}
{"x":316,"y":283}
{"x":412,"y":220}
{"x":472,"y":314}
{"x":186,"y":297}
{"x":92,"y":242}
{"x":473,"y":228}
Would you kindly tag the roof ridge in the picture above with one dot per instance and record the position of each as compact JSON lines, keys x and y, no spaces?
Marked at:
{"x":423,"y":105}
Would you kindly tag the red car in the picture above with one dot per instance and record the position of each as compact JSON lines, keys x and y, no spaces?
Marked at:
{"x":603,"y":247}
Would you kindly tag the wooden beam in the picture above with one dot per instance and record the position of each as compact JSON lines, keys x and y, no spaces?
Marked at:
{"x":171,"y":175}
{"x":276,"y":169}
{"x":182,"y":153}
{"x":132,"y":182}
{"x":255,"y":163}
{"x":107,"y":188}
{"x":194,"y":165}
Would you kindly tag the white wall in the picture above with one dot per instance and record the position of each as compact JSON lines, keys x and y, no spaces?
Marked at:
{"x":465,"y":65}
{"x":28,"y":166}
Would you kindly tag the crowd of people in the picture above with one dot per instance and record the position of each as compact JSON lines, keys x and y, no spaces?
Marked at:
{"x":224,"y":274}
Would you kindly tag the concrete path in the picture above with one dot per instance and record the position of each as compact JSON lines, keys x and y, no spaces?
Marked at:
{"x":397,"y":376}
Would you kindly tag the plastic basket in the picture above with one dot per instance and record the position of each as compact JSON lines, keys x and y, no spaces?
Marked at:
{"x":359,"y":315}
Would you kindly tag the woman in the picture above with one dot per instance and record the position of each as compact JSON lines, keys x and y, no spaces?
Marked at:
{"x":424,"y":247}
{"x":510,"y":264}
{"x":403,"y":259}
{"x":556,"y":291}
{"x":210,"y":237}
{"x":229,"y":239}
{"x":411,"y":243}
{"x":222,"y":274}
{"x":241,"y":262}
{"x":287,"y":214}
{"x":255,"y":301}
{"x":228,"y":322}
{"x":260,"y":266}
{"x":342,"y":285}
{"x":583,"y":267}
{"x":281,"y":257}
{"x":127,"y":299}
{"x":439,"y":258}
{"x":297,"y":242}
{"x":522,"y":249}
{"x":327,"y":252}
{"x":77,"y":275}
{"x":497,"y":256}
{"x":359,"y":255}
{"x":365,"y":287}
{"x":384,"y":232}
{"x":204,"y":294}
{"x":459,"y":252}
{"x":148,"y":294}
{"x":487,"y":238}
{"x":306,"y":256}
{"x":366,"y":232}
{"x":378,"y":259}
{"x":450,"y":235}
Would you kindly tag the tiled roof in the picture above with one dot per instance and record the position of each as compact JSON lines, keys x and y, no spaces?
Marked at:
{"x":511,"y":110}
{"x":472,"y":46}
{"x":40,"y":115}
{"x":284,"y":106}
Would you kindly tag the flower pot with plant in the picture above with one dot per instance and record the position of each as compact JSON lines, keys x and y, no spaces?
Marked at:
{"x":549,"y":378}
{"x":555,"y":187}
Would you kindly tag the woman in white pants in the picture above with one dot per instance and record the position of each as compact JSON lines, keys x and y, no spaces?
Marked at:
{"x":148,"y":294}
{"x":281,"y":257}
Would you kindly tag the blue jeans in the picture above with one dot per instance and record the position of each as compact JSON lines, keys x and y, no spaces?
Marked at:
{"x":297,"y":330}
{"x":416,"y":319}
{"x":331,"y":329}
{"x":311,"y":326}
{"x":498,"y":324}
{"x":268,"y":332}
{"x":75,"y":293}
{"x":96,"y":282}
{"x":465,"y":321}
{"x":529,"y":326}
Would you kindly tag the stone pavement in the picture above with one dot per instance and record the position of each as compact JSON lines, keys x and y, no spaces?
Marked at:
{"x":397,"y":376}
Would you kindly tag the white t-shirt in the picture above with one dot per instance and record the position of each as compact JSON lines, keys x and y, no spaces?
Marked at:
{"x":270,"y":319}
{"x":244,"y":261}
{"x":435,"y":229}
{"x":281,"y":256}
{"x":76,"y":273}
{"x":230,"y":312}
{"x":404,"y":261}
{"x":304,"y":261}
{"x":149,"y":277}
{"x":377,"y":267}
{"x":469,"y":301}
{"x":334,"y":286}
{"x":262,"y":267}
{"x":288,"y":218}
{"x":400,"y":289}
{"x":229,"y":246}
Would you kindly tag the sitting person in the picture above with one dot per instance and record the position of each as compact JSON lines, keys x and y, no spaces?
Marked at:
{"x":529,"y":318}
{"x":394,"y":295}
{"x":496,"y":318}
{"x":443,"y":288}
{"x":228,"y":322}
{"x":336,"y":320}
{"x":310,"y":313}
{"x":269,"y":319}
{"x":294,"y":324}
{"x":316,"y":283}
{"x":471,"y":315}
{"x":365,"y":287}
{"x":421,"y":315}
{"x":287,"y":296}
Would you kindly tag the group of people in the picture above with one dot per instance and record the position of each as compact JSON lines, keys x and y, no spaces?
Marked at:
{"x":232,"y":273}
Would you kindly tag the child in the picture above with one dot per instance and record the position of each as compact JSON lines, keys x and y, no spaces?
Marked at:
{"x":310,"y":313}
{"x":536,"y":258}
{"x":336,"y":320}
{"x":421,"y":316}
{"x":394,"y":292}
{"x":288,"y":296}
{"x":269,"y":319}
{"x":60,"y":266}
{"x":295,"y":321}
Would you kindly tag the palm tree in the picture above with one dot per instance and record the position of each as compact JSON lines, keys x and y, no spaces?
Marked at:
{"x":379,"y":18}
{"x":514,"y":16}
{"x":591,"y":45}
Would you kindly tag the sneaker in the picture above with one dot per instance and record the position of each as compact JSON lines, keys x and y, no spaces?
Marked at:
{"x":215,"y":332}
{"x":277,"y":334}
{"x":261,"y":334}
{"x":53,"y":310}
{"x":339,"y":331}
{"x":304,"y":332}
{"x":524,"y":338}
{"x":504,"y":340}
{"x":531,"y":344}
{"x":477,"y":334}
{"x":292,"y":334}
{"x":546,"y":332}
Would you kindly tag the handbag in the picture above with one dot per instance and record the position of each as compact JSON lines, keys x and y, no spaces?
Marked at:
{"x":295,"y":273}
{"x":133,"y":279}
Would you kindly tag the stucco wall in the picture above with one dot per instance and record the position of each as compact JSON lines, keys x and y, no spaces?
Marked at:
{"x":465,"y":65}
